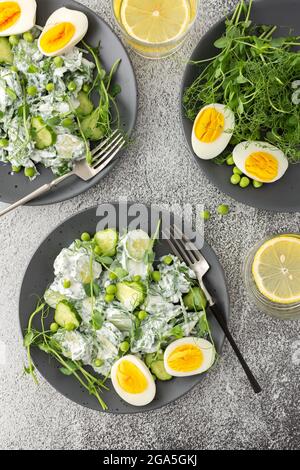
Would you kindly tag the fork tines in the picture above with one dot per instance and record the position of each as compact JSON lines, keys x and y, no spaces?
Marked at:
{"x":106,"y":150}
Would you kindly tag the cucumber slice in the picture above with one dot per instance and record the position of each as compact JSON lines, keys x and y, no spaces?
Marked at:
{"x":6,"y":55}
{"x":153,"y":357}
{"x":107,"y":241}
{"x":43,"y":135}
{"x":86,"y":106}
{"x":53,"y":298}
{"x":158,"y":369}
{"x":130,"y":294}
{"x":195,"y":300}
{"x":66,"y":314}
{"x":91,"y":128}
{"x":137,"y":244}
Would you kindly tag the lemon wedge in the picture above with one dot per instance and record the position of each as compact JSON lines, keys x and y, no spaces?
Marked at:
{"x":276,"y":269}
{"x":155,"y":21}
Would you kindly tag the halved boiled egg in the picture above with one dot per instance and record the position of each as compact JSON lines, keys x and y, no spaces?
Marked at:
{"x":261,"y":161}
{"x":17,"y":17}
{"x":189,"y":356}
{"x":133,"y":381}
{"x":63,"y":30}
{"x":212,"y":131}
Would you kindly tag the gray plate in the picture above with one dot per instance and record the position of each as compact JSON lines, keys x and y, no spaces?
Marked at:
{"x":283,"y":195}
{"x":14,"y":187}
{"x":39,"y":275}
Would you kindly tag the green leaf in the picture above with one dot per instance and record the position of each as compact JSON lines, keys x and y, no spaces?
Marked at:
{"x":107,"y":260}
{"x":222,"y":42}
{"x":72,"y":367}
{"x":177,"y":332}
{"x":96,"y":289}
{"x":97,"y":320}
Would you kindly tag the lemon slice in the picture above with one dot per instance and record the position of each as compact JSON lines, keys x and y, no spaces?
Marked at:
{"x":155,"y":21}
{"x":276,"y":269}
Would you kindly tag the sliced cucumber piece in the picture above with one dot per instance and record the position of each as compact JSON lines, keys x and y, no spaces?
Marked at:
{"x":153,"y":357}
{"x":130,"y":294}
{"x":85,"y":105}
{"x":195,"y":300}
{"x":137,"y":244}
{"x":66,"y":314}
{"x":43,"y":135}
{"x":107,"y":241}
{"x":6,"y":55}
{"x":158,"y":369}
{"x":91,"y":128}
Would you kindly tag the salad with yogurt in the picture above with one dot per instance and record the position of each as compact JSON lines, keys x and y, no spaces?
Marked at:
{"x":48,"y":87}
{"x":128,"y":316}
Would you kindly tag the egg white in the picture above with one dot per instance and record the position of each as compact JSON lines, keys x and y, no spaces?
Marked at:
{"x":135,"y":399}
{"x":77,"y":18}
{"x":207,"y":151}
{"x":244,"y":149}
{"x":26,"y":20}
{"x":206,"y":348}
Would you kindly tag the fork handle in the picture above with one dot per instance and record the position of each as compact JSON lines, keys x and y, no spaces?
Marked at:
{"x":220,"y":318}
{"x":38,"y":192}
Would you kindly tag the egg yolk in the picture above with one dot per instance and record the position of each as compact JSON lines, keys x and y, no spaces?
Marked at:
{"x":262,"y":165}
{"x":209,"y":126}
{"x":10,"y":12}
{"x":185,"y":358}
{"x":57,"y":37}
{"x":130,"y":378}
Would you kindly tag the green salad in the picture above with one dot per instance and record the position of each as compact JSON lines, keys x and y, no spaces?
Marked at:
{"x":107,"y":302}
{"x":46,"y":111}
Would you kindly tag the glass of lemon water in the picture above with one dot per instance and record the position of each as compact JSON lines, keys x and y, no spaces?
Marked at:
{"x":155,"y":28}
{"x":271,"y":274}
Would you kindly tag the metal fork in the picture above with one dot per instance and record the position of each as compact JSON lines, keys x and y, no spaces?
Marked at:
{"x":102,"y":155}
{"x":196,"y":261}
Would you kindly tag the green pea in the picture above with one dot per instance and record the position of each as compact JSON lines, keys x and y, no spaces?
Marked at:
{"x":237,"y":171}
{"x":85,"y":237}
{"x":156,"y":276}
{"x":137,"y":278}
{"x":86,"y":88}
{"x":229,"y":160}
{"x":28,"y":37}
{"x":50,"y":86}
{"x":13,"y":40}
{"x":223,"y":209}
{"x":29,"y":172}
{"x":112,"y":276}
{"x":124,"y":347}
{"x":205,"y":215}
{"x":98,"y":362}
{"x":109,"y":298}
{"x":16,"y":169}
{"x":168,"y":260}
{"x":4,"y":143}
{"x":235,"y":179}
{"x":58,"y":61}
{"x":111,"y":289}
{"x":142,"y":315}
{"x":72,"y":86}
{"x":257,"y":184}
{"x":67,"y":283}
{"x":13,"y":68}
{"x":31,"y":90}
{"x":32,"y":68}
{"x":97,"y":250}
{"x":54,"y":327}
{"x":67,"y":122}
{"x":244,"y":182}
{"x":70,"y":326}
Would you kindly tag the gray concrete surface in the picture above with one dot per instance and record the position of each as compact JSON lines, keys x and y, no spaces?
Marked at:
{"x":222,"y":412}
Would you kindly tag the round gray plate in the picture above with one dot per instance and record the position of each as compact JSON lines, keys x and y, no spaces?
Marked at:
{"x":39,"y":275}
{"x":283,"y":195}
{"x":14,"y":187}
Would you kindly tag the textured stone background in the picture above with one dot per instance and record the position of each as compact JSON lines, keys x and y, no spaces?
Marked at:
{"x":222,"y":412}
